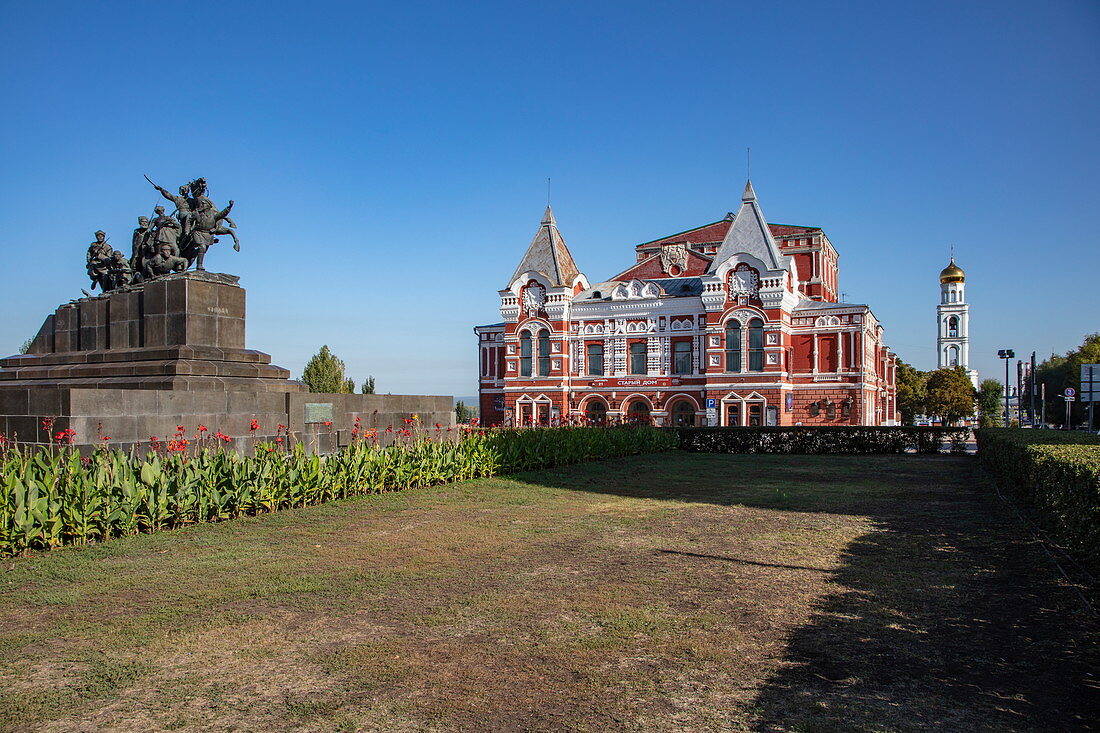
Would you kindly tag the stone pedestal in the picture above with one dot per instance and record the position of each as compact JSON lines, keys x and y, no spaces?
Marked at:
{"x":138,"y":362}
{"x":180,"y":332}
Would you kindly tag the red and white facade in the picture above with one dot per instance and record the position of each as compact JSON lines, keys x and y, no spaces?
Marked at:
{"x":733,"y":323}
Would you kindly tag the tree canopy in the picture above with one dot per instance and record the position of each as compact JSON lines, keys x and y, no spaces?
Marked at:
{"x":991,"y":403}
{"x":1059,"y":372}
{"x":911,"y":393}
{"x":325,"y":373}
{"x":950,"y":394}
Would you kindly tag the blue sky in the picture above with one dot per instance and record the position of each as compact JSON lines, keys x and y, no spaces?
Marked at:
{"x":389,"y":161}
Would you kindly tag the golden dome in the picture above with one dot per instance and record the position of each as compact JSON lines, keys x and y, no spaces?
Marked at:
{"x":952,"y":273}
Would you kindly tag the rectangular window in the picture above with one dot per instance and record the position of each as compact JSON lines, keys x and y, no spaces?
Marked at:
{"x":544,"y":353}
{"x":525,"y":355}
{"x":681,"y":357}
{"x":756,"y":347}
{"x":637,"y":358}
{"x":595,"y":360}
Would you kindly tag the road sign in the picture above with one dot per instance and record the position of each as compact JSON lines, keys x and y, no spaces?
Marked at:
{"x":1090,"y":382}
{"x":711,"y":403}
{"x":1070,"y":392}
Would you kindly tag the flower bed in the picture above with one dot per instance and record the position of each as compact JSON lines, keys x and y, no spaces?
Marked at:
{"x":53,"y":497}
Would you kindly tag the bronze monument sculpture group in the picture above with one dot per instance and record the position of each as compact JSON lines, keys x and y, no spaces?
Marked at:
{"x":164,"y":243}
{"x":164,"y":346}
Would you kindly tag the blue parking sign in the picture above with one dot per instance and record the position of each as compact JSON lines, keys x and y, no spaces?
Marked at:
{"x":711,"y":403}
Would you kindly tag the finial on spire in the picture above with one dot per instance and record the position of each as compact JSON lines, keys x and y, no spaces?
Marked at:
{"x":952,"y":253}
{"x":548,"y":190}
{"x":748,"y":162}
{"x":749,"y":194}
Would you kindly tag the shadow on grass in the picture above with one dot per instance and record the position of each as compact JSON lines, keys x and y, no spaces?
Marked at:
{"x":946,"y":616}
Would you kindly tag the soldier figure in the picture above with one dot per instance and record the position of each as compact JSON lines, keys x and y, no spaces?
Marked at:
{"x":166,"y":230}
{"x":99,"y":253}
{"x":183,"y":205}
{"x":164,"y":262}
{"x":141,"y":240}
{"x":205,"y":218}
{"x":119,"y":272}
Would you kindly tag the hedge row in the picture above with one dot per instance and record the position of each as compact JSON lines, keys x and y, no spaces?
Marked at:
{"x":54,"y":497}
{"x":825,"y":439}
{"x":1056,"y":475}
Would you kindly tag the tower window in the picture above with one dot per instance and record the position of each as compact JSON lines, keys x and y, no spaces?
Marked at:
{"x":525,"y":354}
{"x":953,"y":327}
{"x":733,"y":346}
{"x":756,"y":345}
{"x":544,"y":353}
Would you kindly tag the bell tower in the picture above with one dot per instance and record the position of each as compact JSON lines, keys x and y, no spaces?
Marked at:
{"x":953,"y":322}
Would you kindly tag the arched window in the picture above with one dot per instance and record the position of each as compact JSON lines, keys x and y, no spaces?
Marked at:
{"x":733,"y":416}
{"x":595,"y":361}
{"x":683,"y":414}
{"x":733,"y":346}
{"x":756,"y":412}
{"x":638,"y":412}
{"x":953,"y":327}
{"x":756,"y":345}
{"x":637,"y":358}
{"x":681,"y":357}
{"x":595,"y":411}
{"x":544,"y":353}
{"x":953,"y":356}
{"x":525,"y":354}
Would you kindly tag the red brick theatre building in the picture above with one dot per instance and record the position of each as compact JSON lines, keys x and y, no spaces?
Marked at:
{"x":732,"y":323}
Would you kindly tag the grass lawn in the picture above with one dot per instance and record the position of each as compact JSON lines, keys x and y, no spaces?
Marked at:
{"x":676,"y":592}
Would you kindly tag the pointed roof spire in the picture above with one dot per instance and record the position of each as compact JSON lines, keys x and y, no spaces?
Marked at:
{"x":749,"y":233}
{"x":548,"y":254}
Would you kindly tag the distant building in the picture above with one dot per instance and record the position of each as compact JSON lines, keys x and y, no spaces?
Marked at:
{"x":953,"y":322}
{"x":731,"y":323}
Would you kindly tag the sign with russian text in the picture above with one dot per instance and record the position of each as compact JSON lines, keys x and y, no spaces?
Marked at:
{"x":638,"y":382}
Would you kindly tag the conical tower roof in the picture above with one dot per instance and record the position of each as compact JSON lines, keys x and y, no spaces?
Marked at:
{"x":548,"y":254}
{"x":749,"y":234}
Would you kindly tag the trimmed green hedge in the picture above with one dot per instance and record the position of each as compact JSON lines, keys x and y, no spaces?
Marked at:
{"x":1056,"y":475}
{"x":851,"y":439}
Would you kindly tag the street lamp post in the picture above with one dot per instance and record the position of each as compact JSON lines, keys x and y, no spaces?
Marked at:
{"x":1007,"y":354}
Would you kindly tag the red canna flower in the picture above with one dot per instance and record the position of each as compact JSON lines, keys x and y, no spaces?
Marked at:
{"x":105,"y":437}
{"x":202,"y":428}
{"x":328,"y":423}
{"x":255,"y":425}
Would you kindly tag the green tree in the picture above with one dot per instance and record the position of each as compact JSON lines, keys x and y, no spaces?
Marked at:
{"x":26,"y":346}
{"x":325,"y":373}
{"x":991,"y":403}
{"x":1059,"y":372}
{"x":368,"y":385}
{"x":950,"y":394}
{"x":462,"y":413}
{"x":911,"y":392}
